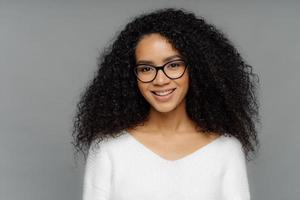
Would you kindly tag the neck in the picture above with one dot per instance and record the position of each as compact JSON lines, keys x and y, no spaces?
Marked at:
{"x":170,"y":123}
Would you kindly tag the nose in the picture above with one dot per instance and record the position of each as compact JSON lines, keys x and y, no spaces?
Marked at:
{"x":161,"y":78}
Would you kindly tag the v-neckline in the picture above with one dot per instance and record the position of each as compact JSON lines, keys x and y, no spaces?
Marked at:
{"x":179,"y":160}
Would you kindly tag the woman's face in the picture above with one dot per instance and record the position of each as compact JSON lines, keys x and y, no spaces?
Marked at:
{"x":163,"y":94}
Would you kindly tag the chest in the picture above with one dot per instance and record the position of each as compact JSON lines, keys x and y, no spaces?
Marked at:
{"x":172,"y":149}
{"x":146,"y":170}
{"x":166,"y":183}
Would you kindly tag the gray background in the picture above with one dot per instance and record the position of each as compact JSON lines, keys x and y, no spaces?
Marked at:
{"x":48,"y":53}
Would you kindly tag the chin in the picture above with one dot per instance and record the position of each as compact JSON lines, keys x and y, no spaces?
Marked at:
{"x":163,"y":109}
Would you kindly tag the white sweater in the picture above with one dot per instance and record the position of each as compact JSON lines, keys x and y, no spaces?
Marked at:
{"x":122,"y":168}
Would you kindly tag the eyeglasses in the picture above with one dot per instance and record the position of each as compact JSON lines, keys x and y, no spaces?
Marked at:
{"x":147,"y":73}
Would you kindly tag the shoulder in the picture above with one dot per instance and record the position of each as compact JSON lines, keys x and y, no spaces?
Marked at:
{"x":230,"y":147}
{"x":109,"y":144}
{"x":231,"y":143}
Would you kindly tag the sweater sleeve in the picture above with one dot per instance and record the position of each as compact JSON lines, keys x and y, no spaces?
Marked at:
{"x":235,"y":184}
{"x":96,"y":185}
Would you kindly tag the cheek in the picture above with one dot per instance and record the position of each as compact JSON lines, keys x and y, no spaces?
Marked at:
{"x":184,"y":83}
{"x":142,"y":88}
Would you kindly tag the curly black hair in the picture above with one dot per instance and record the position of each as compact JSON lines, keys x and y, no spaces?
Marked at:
{"x":222,"y":89}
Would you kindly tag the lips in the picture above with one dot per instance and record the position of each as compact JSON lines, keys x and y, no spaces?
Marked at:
{"x":163,"y":92}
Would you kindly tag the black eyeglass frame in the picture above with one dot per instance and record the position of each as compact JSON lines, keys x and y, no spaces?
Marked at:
{"x":160,"y":68}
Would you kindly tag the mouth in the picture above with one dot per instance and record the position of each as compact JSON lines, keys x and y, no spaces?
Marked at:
{"x":163,"y":92}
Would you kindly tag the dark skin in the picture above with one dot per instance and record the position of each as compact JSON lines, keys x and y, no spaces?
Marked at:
{"x":168,"y":132}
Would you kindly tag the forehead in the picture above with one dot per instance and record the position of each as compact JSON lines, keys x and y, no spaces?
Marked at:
{"x":154,"y":47}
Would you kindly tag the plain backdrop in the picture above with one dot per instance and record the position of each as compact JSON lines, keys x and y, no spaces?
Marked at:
{"x":48,"y":52}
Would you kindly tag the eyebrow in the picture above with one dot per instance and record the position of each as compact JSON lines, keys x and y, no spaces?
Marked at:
{"x":164,"y":60}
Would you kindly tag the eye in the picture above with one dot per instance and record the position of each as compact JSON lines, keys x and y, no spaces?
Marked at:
{"x":173,"y":65}
{"x":176,"y":64}
{"x":144,"y":69}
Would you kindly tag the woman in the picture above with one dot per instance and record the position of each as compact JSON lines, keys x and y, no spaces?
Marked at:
{"x":170,"y":114}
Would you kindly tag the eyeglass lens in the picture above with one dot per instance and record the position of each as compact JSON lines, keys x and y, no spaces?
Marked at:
{"x":173,"y":70}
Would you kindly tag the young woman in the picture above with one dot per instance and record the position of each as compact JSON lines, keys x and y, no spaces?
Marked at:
{"x":170,"y":114}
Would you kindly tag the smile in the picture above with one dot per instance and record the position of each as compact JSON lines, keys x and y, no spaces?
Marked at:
{"x":163,"y":93}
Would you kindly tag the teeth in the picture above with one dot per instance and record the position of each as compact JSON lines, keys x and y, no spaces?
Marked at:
{"x":163,"y":93}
